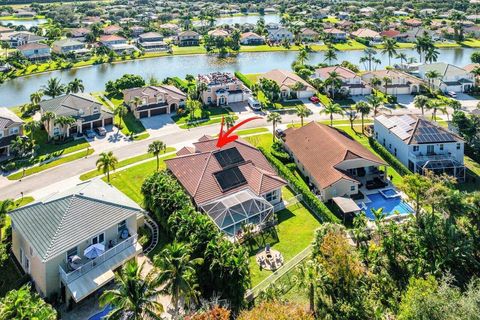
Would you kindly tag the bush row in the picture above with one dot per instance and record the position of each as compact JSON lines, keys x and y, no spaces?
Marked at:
{"x":308,"y":197}
{"x":244,"y":79}
{"x":390,"y":158}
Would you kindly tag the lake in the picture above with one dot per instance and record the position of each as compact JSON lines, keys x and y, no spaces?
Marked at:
{"x":252,"y":19}
{"x":17,"y":91}
{"x":26,"y":23}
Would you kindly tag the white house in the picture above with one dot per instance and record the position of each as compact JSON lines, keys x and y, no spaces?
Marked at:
{"x":399,"y":82}
{"x":421,"y":144}
{"x":351,"y":82}
{"x":280,"y":34}
{"x":452,"y":78}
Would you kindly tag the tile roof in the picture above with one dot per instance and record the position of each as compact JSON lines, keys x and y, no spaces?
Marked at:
{"x":195,"y":170}
{"x":343,"y":72}
{"x":365,"y":33}
{"x":320,"y":149}
{"x":71,"y":104}
{"x":7,"y":118}
{"x":112,"y":37}
{"x":151,"y":93}
{"x":33,"y":46}
{"x":61,"y":221}
{"x":285,"y":79}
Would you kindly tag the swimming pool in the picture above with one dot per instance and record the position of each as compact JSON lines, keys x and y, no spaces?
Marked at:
{"x":101,"y":314}
{"x":390,"y":205}
{"x":390,"y":193}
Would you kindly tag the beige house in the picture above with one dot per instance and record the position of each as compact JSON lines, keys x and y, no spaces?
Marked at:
{"x":335,"y":165}
{"x":352,"y":84}
{"x":11,"y":126}
{"x":85,"y":109}
{"x":71,"y":242}
{"x":400,"y":82}
{"x":223,"y":88}
{"x":287,"y":81}
{"x":154,"y":100}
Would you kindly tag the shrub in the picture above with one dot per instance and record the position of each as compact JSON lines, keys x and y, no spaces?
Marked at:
{"x":281,"y":155}
{"x":244,"y":79}
{"x":390,"y":158}
{"x":144,"y":236}
{"x":308,"y":197}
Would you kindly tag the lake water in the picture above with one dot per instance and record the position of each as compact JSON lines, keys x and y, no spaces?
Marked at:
{"x":26,"y":23}
{"x":17,"y":91}
{"x":269,"y":18}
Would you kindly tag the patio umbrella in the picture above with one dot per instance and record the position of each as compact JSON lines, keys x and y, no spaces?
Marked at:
{"x":94,"y":251}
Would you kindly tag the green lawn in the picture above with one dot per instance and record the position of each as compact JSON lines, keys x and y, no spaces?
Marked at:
{"x":472,"y":43}
{"x":49,"y":147}
{"x":447,"y":45}
{"x":189,"y":50}
{"x":295,"y":230}
{"x":262,"y":140}
{"x":350,"y":45}
{"x":253,"y":77}
{"x":287,"y":104}
{"x":473,"y":176}
{"x":209,"y":116}
{"x":123,"y":163}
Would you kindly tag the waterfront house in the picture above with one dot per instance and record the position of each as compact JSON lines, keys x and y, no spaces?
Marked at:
{"x":412,"y":22}
{"x":117,"y":43}
{"x":452,"y":78}
{"x":399,"y":82}
{"x":53,"y":237}
{"x":79,"y":34}
{"x":391,"y":33}
{"x":218,"y":33}
{"x":412,"y":34}
{"x":223,"y":88}
{"x":85,"y":109}
{"x":334,"y":164}
{"x":309,"y":35}
{"x":280,"y":34}
{"x":154,"y":100}
{"x":421,"y":144}
{"x":352,"y":83}
{"x":11,"y":126}
{"x":35,"y":51}
{"x":188,"y":38}
{"x":152,"y":41}
{"x":251,"y":38}
{"x":137,"y":30}
{"x":367,"y":34}
{"x":336,"y":35}
{"x":21,"y":38}
{"x":288,"y":81}
{"x":233,"y":185}
{"x":65,"y":46}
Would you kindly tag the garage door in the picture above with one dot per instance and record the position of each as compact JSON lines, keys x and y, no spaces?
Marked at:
{"x":304,"y":94}
{"x":108,"y":121}
{"x":97,"y":123}
{"x":235,"y":97}
{"x":158,"y":111}
{"x":143,"y":114}
{"x":86,"y":126}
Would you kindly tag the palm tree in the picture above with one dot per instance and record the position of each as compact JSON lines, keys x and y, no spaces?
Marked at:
{"x":333,"y":82}
{"x":5,"y":207}
{"x":176,"y":272}
{"x":330,"y":55}
{"x":229,"y":121}
{"x":36,"y":97}
{"x":121,"y":111}
{"x":47,"y":117}
{"x":303,"y":112}
{"x":53,"y":88}
{"x":369,"y":57}
{"x":5,"y":45}
{"x":331,"y":109}
{"x":431,"y":76}
{"x":65,"y":123}
{"x":192,"y":106}
{"x":375,"y":102}
{"x":306,"y":278}
{"x":476,"y":73}
{"x":436,"y":105}
{"x":155,"y":148}
{"x":386,"y":82}
{"x":274,"y":118}
{"x":75,"y":86}
{"x":402,"y":56}
{"x":106,"y":162}
{"x":31,"y":127}
{"x":431,"y":55}
{"x":364,"y":109}
{"x":389,"y":48}
{"x":302,"y":55}
{"x":352,"y":116}
{"x":134,"y":296}
{"x":136,"y":101}
{"x":420,"y":102}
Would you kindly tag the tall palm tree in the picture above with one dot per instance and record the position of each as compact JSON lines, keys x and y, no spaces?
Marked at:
{"x":431,"y":76}
{"x":420,"y":102}
{"x":75,"y":86}
{"x":229,"y":121}
{"x":47,"y":118}
{"x":176,"y":272}
{"x":106,"y":162}
{"x":333,"y":82}
{"x":431,"y":55}
{"x":332,"y":109}
{"x":302,"y":56}
{"x":436,"y":105}
{"x":5,"y":45}
{"x":306,"y":278}
{"x":36,"y":97}
{"x":31,"y":127}
{"x":274,"y":118}
{"x":375,"y":102}
{"x":369,"y":57}
{"x":5,"y":207}
{"x":330,"y":55}
{"x":65,"y":123}
{"x":121,"y":111}
{"x":53,"y":88}
{"x":389,"y":48}
{"x":386,"y":82}
{"x":134,"y":296}
{"x":402,"y":56}
{"x":476,"y":73}
{"x":364,"y":109}
{"x":303,"y":112}
{"x":156,"y":148}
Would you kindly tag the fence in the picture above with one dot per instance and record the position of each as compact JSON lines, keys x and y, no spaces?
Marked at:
{"x":286,"y":203}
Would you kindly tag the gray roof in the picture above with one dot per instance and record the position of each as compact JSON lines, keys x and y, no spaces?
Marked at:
{"x":70,"y":104}
{"x":7,"y":118}
{"x":68,"y":42}
{"x":59,"y":222}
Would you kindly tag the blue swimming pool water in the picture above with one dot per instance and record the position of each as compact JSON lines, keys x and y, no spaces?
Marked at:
{"x":389,"y":205}
{"x":390,"y":193}
{"x":101,"y":314}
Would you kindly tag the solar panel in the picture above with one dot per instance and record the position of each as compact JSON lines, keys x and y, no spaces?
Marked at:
{"x":228,"y":157}
{"x":230,"y":178}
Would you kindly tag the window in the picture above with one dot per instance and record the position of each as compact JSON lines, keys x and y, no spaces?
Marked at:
{"x":395,"y":152}
{"x":458,"y":146}
{"x":441,"y":147}
{"x":22,"y":255}
{"x":209,"y":99}
{"x":14,"y":130}
{"x":389,"y":146}
{"x":95,"y":109}
{"x":56,"y":131}
{"x":98,"y":239}
{"x":26,"y":265}
{"x":122,"y":226}
{"x":416,"y":148}
{"x":271,"y":196}
{"x":430,"y":149}
{"x":376,"y":135}
{"x":353,"y":188}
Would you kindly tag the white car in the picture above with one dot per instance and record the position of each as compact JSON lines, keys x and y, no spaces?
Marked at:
{"x":254,"y":104}
{"x":452,"y":94}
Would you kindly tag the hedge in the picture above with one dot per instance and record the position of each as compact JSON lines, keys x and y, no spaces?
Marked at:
{"x":390,"y":158}
{"x":281,"y":155}
{"x":308,"y":197}
{"x":244,"y":79}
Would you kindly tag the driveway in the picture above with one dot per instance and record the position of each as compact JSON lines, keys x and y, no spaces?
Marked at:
{"x":240,"y":107}
{"x":468,"y":102}
{"x":111,"y":140}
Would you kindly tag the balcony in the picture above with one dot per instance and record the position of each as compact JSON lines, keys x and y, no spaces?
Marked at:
{"x":97,"y":272}
{"x":430,"y":157}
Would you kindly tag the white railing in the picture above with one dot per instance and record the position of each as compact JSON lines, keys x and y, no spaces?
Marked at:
{"x":92,"y":264}
{"x":421,"y":157}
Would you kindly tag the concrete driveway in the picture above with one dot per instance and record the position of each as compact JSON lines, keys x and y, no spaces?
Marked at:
{"x":240,"y":107}
{"x":111,"y":139}
{"x":468,"y":102}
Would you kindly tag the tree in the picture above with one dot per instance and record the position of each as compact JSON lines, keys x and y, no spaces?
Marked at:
{"x":274,"y":118}
{"x":369,"y":57}
{"x":5,"y":207}
{"x":431,"y":76}
{"x":332,"y":109}
{"x":192,"y":106}
{"x":53,"y":88}
{"x":5,"y":45}
{"x":330,"y":54}
{"x":21,"y":147}
{"x":156,"y":148}
{"x":352,"y":116}
{"x":303,"y":112}
{"x":121,"y":111}
{"x":375,"y":102}
{"x":106,"y":162}
{"x":333,"y":82}
{"x":431,"y":55}
{"x":36,"y":97}
{"x":389,"y":48}
{"x":386,"y":82}
{"x":364,"y":109}
{"x":306,"y":277}
{"x":229,"y":121}
{"x":276,"y":310}
{"x":23,"y":304}
{"x":47,"y":117}
{"x":134,"y":296}
{"x":420,"y":102}
{"x":270,"y":88}
{"x":127,"y":81}
{"x":302,"y":56}
{"x":176,"y":273}
{"x":402,"y":56}
{"x":476,"y":73}
{"x":436,"y":105}
{"x":31,"y":127}
{"x":75,"y":86}
{"x":415,"y":186}
{"x":214,"y":313}
{"x":475,"y":57}
{"x":64,"y":122}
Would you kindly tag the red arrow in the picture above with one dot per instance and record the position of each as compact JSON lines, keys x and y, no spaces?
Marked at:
{"x":226,"y":137}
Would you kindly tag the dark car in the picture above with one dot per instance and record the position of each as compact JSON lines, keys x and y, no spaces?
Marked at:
{"x":90,"y":133}
{"x":279,"y":133}
{"x":101,"y":131}
{"x":314,"y":99}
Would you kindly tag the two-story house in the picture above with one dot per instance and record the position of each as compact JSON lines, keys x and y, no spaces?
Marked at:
{"x":35,"y":51}
{"x":79,"y":34}
{"x":112,"y":29}
{"x":336,"y":35}
{"x":188,"y":38}
{"x":398,"y":82}
{"x":367,"y":34}
{"x":116,"y":43}
{"x":85,"y":109}
{"x":154,"y":100}
{"x":21,"y":38}
{"x":280,"y":34}
{"x":421,"y":145}
{"x":71,"y":241}
{"x":68,"y":45}
{"x":451,"y":77}
{"x":152,"y":41}
{"x":11,"y":126}
{"x":291,"y":85}
{"x":251,"y":38}
{"x":309,"y":35}
{"x":351,"y":82}
{"x":223,"y":88}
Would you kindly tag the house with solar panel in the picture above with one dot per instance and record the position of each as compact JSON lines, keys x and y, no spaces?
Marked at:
{"x":71,"y":242}
{"x":421,"y":144}
{"x":234,"y":185}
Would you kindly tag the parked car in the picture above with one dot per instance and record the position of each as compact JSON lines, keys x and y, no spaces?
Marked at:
{"x":90,"y":133}
{"x":314,"y":99}
{"x":101,"y":131}
{"x":254,"y":104}
{"x":279,"y":133}
{"x":451,"y":94}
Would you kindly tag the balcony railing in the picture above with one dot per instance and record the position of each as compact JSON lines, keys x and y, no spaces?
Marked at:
{"x":435,"y":156}
{"x":90,"y":265}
